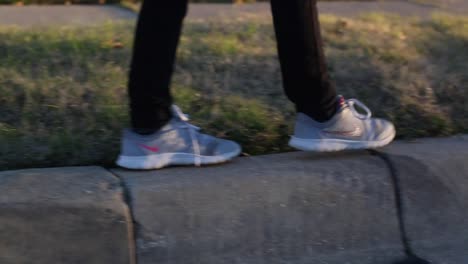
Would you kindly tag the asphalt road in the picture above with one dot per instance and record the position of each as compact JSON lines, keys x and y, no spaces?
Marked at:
{"x":347,"y":9}
{"x":83,"y":15}
{"x":61,"y":15}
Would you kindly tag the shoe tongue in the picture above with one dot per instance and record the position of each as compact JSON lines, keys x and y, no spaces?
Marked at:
{"x":178,"y":114}
{"x":341,"y":103}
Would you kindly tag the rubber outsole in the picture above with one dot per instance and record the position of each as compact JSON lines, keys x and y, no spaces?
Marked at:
{"x":159,"y":161}
{"x":333,"y":145}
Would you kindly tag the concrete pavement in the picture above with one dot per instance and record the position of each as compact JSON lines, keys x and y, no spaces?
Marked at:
{"x":286,"y":208}
{"x":85,"y":15}
{"x":62,"y":15}
{"x":345,"y":8}
{"x":434,"y":180}
{"x":63,"y":215}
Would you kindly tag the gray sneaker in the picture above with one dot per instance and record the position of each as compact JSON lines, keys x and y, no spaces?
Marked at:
{"x":348,"y":129}
{"x":177,"y":143}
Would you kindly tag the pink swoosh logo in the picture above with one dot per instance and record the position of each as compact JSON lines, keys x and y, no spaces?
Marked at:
{"x":152,"y":149}
{"x":350,"y":133}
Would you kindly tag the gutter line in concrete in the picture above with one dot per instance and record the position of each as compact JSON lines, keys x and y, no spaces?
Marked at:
{"x":132,"y":225}
{"x":412,"y":258}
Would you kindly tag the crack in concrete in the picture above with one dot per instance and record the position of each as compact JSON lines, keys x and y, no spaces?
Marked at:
{"x":411,"y":257}
{"x":133,"y":225}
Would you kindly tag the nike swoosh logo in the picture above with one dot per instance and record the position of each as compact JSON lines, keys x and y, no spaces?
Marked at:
{"x":152,"y":149}
{"x":345,"y":133}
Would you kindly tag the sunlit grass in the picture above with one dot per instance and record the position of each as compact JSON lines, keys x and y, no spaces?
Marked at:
{"x":63,"y":89}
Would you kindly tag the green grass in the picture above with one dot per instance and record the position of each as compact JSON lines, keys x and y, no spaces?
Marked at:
{"x":63,"y":90}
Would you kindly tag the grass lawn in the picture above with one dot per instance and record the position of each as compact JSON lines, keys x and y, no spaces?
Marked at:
{"x":63,"y":90}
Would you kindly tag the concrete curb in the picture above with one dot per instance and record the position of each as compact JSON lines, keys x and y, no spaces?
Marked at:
{"x":287,"y":208}
{"x":434,"y":180}
{"x":63,"y":215}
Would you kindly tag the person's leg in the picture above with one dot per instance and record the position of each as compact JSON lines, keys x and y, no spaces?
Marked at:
{"x":156,"y":40}
{"x":325,"y":122}
{"x":305,"y":76}
{"x":161,"y":135}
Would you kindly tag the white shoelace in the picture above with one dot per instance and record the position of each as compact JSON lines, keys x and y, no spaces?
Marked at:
{"x":352,"y":102}
{"x":192,"y":131}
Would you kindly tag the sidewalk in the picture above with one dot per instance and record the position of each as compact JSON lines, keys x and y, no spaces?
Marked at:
{"x":346,"y":8}
{"x":85,"y":15}
{"x":286,"y":208}
{"x":62,"y":15}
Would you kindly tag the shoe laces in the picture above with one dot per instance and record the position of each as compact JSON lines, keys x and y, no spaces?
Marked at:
{"x":351,"y":104}
{"x":193,"y":130}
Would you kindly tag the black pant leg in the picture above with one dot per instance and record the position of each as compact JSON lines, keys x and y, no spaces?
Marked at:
{"x":154,"y":53}
{"x":305,"y":75}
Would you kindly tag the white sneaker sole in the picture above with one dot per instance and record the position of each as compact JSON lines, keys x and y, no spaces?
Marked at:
{"x":159,"y":161}
{"x":332,"y":145}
